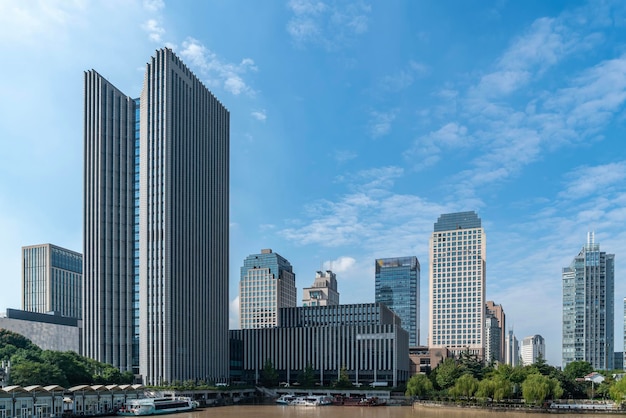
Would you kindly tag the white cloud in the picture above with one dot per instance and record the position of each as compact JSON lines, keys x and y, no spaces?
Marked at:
{"x":380,"y":124}
{"x":154,"y":30}
{"x":588,"y":181}
{"x":342,"y":264}
{"x":341,"y":156}
{"x":259,"y":115}
{"x":234,"y":319}
{"x":219,"y":73}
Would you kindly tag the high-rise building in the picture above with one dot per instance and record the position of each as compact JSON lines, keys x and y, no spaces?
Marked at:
{"x":588,"y":307}
{"x":492,"y":339}
{"x":512,"y":356}
{"x":156,"y":225}
{"x":494,"y":310}
{"x":267,"y":284}
{"x":533,"y":348}
{"x":397,"y":284}
{"x":323,"y":292}
{"x":52,"y":280}
{"x":457,"y":284}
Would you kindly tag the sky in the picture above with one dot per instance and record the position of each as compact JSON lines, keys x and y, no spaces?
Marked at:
{"x":354,"y":125}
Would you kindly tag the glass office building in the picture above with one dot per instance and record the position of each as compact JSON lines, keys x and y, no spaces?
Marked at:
{"x":588,"y":307}
{"x":397,"y":284}
{"x":156,"y":225}
{"x":52,"y":280}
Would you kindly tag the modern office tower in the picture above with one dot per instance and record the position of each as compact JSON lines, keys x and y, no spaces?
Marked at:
{"x":588,"y":307}
{"x":512,"y":357}
{"x":52,"y":280}
{"x":397,"y":284}
{"x":457,"y":284}
{"x":533,"y":348}
{"x":496,"y":311}
{"x":323,"y":292}
{"x":156,"y":225}
{"x":492,"y":339}
{"x":267,"y":284}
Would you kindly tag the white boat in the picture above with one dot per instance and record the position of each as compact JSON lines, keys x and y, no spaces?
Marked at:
{"x":311,"y":401}
{"x":157,"y":406}
{"x":285,"y":399}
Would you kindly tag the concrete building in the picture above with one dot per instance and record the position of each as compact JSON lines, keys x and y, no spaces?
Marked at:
{"x":365,"y":339}
{"x":533,"y":347}
{"x":156,"y":225}
{"x":588,"y":307}
{"x":423,"y":359}
{"x":457,"y":284}
{"x":496,"y":311}
{"x":47,"y":331}
{"x":52,"y":280}
{"x":267,"y":284}
{"x":512,"y":354}
{"x":323,"y":292}
{"x":492,"y":339}
{"x":397,"y":284}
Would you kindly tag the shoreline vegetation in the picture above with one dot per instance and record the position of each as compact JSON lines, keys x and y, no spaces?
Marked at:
{"x":579,"y":407}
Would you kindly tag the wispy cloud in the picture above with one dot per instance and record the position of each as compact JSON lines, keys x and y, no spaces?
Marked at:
{"x":329,"y":24}
{"x":340,"y":265}
{"x":259,"y":115}
{"x":589,"y":181}
{"x":228,"y":76}
{"x":154,"y":30}
{"x":380,"y":123}
{"x":404,"y":77}
{"x":341,"y":156}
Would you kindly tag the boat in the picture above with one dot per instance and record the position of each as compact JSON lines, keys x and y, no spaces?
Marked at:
{"x":311,"y":400}
{"x":285,"y":399}
{"x":156,"y":406}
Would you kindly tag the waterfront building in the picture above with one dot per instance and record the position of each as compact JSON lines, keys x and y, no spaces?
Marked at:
{"x":156,"y":194}
{"x":267,"y":284}
{"x":588,"y":307}
{"x":496,"y":311}
{"x":492,"y":340}
{"x":457,"y":284}
{"x":49,"y":331}
{"x":512,"y":354}
{"x":533,"y":348}
{"x":52,"y":280}
{"x":397,"y":284}
{"x":365,"y":339}
{"x":323,"y":292}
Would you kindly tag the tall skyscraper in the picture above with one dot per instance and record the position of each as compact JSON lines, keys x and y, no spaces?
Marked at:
{"x":156,"y":225}
{"x":52,"y":280}
{"x":494,"y":310}
{"x":323,"y":292}
{"x":588,"y":307}
{"x":457,"y":284}
{"x":397,"y":284}
{"x":533,"y":348}
{"x":267,"y":284}
{"x":512,"y":357}
{"x":493,"y":336}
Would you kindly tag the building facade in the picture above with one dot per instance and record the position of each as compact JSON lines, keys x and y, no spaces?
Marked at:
{"x":364,"y":339}
{"x":492,"y":340}
{"x":323,"y":292}
{"x":156,"y":225}
{"x":512,"y":354}
{"x":496,"y":311}
{"x":397,"y":284}
{"x":533,"y":348}
{"x":457,"y":284}
{"x":588,"y":307}
{"x":267,"y":284}
{"x":52,"y":280}
{"x":49,"y":331}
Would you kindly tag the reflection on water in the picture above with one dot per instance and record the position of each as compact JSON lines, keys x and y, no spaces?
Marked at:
{"x":277,"y":411}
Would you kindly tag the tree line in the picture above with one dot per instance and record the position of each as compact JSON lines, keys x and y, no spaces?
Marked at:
{"x":467,"y":378}
{"x":30,"y":365}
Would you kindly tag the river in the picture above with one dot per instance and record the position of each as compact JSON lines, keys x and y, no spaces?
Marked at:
{"x":277,"y":411}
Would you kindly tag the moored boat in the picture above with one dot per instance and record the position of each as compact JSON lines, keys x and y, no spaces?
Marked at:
{"x":311,"y":400}
{"x":156,"y":406}
{"x":285,"y":399}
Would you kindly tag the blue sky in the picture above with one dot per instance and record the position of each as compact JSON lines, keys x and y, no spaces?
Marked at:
{"x":354,"y":125}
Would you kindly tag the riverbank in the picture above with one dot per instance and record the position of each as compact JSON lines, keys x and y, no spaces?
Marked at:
{"x":567,"y":408}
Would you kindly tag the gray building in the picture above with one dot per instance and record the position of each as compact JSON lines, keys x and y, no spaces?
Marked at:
{"x":366,"y":339}
{"x":48,"y":331}
{"x":156,"y":225}
{"x":588,"y":307}
{"x":52,"y":280}
{"x":323,"y":291}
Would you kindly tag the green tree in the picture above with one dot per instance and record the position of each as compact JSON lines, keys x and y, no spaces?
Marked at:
{"x":537,"y":388}
{"x":447,"y":373}
{"x":617,"y":391}
{"x":269,"y":375}
{"x":419,"y":385}
{"x":306,"y":377}
{"x":465,"y":386}
{"x":72,"y":365}
{"x":27,"y":373}
{"x":343,"y":381}
{"x":577,"y":369}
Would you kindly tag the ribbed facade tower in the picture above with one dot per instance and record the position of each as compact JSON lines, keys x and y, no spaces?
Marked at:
{"x":161,"y":200}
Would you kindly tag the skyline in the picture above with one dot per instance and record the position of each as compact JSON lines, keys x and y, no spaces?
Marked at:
{"x":354,"y":126}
